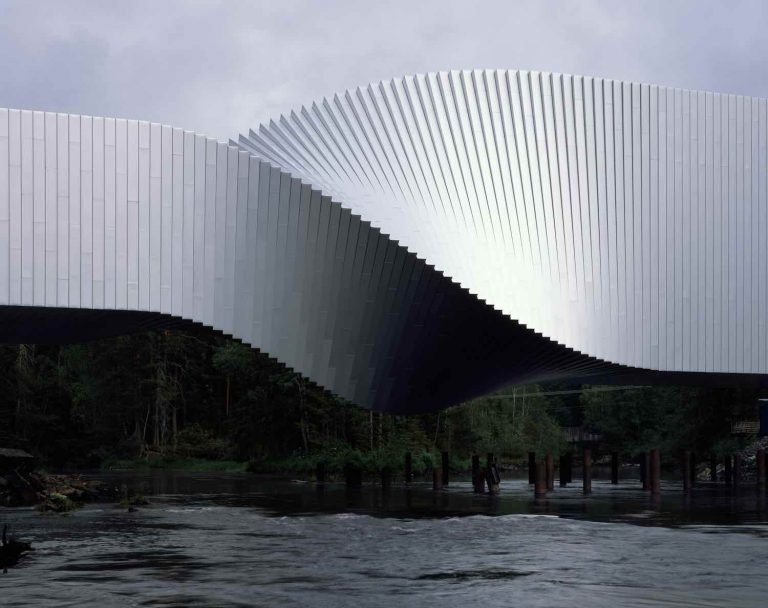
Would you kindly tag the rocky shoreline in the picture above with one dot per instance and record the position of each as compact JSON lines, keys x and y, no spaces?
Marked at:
{"x":21,"y":485}
{"x":52,"y":492}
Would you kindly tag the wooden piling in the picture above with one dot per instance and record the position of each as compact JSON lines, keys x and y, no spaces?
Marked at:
{"x":446,"y":464}
{"x":564,"y":470}
{"x":408,"y":467}
{"x":437,"y":479}
{"x":353,"y":476}
{"x":587,"y":472}
{"x":655,"y":471}
{"x":614,"y":468}
{"x":531,"y":468}
{"x":478,"y":479}
{"x":692,"y":470}
{"x":550,"y":464}
{"x":645,"y":470}
{"x":386,"y":479}
{"x":492,"y":477}
{"x":760,"y":458}
{"x":686,"y":466}
{"x":540,"y":482}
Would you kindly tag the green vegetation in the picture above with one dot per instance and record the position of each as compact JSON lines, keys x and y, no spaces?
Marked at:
{"x":672,"y":419}
{"x":57,"y":503}
{"x":197,"y":401}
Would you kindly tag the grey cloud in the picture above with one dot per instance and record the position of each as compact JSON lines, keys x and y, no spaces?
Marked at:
{"x":221,"y":67}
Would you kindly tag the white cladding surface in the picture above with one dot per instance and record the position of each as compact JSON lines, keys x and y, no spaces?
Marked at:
{"x":625,"y":221}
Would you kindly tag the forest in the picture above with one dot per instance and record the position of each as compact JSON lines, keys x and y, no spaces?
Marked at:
{"x":178,"y":397}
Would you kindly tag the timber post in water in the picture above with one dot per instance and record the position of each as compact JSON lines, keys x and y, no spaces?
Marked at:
{"x":353,"y":476}
{"x":686,"y":466}
{"x":728,"y":473}
{"x":713,"y":468}
{"x":692,"y":469}
{"x":540,"y":481}
{"x":386,"y":478}
{"x":531,"y":468}
{"x":550,"y":463}
{"x":760,"y":457}
{"x":492,"y":477}
{"x":645,"y":470}
{"x":437,"y":479}
{"x":408,"y":467}
{"x":655,"y":471}
{"x":565,"y":469}
{"x":586,"y":472}
{"x":446,"y":467}
{"x":478,"y":480}
{"x":614,"y":468}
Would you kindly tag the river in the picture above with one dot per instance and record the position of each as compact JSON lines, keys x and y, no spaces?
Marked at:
{"x":225,"y":540}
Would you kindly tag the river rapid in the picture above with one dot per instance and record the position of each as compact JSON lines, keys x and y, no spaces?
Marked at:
{"x":225,"y":540}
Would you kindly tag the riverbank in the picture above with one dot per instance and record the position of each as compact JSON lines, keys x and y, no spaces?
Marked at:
{"x":50,"y":492}
{"x":174,"y":463}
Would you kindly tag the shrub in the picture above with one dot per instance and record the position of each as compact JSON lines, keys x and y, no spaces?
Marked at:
{"x":196,"y":442}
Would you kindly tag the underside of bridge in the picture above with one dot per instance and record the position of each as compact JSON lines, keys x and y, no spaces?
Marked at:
{"x":467,"y":350}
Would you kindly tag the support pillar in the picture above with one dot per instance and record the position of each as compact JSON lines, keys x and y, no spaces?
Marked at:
{"x":446,"y":463}
{"x":437,"y":479}
{"x":540,"y":482}
{"x":478,"y":480}
{"x":614,"y":468}
{"x":692,"y":470}
{"x":408,"y":467}
{"x":587,"y":472}
{"x":645,"y":470}
{"x":550,"y":463}
{"x":386,"y":479}
{"x":353,"y":476}
{"x":564,"y":470}
{"x":686,"y":466}
{"x":655,"y":471}
{"x":492,"y":477}
{"x":531,"y":468}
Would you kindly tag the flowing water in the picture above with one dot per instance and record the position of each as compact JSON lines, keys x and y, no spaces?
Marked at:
{"x":237,"y":540}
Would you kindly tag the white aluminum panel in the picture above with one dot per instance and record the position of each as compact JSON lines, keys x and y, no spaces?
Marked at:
{"x":5,"y":213}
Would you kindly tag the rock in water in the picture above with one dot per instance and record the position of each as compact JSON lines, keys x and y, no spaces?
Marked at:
{"x":11,"y":550}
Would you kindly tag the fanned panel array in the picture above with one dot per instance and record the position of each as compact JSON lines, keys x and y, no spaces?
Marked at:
{"x":620,"y":219}
{"x":414,"y":243}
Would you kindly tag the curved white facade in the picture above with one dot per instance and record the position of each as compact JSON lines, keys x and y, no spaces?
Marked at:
{"x":625,"y":222}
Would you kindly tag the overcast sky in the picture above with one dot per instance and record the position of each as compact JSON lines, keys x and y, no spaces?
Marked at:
{"x":222,"y":67}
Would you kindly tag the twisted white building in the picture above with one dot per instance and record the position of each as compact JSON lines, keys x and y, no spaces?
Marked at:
{"x":413,"y":243}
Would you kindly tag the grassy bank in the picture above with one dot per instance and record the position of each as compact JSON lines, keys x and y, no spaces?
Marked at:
{"x":370,"y":462}
{"x":193,"y":465}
